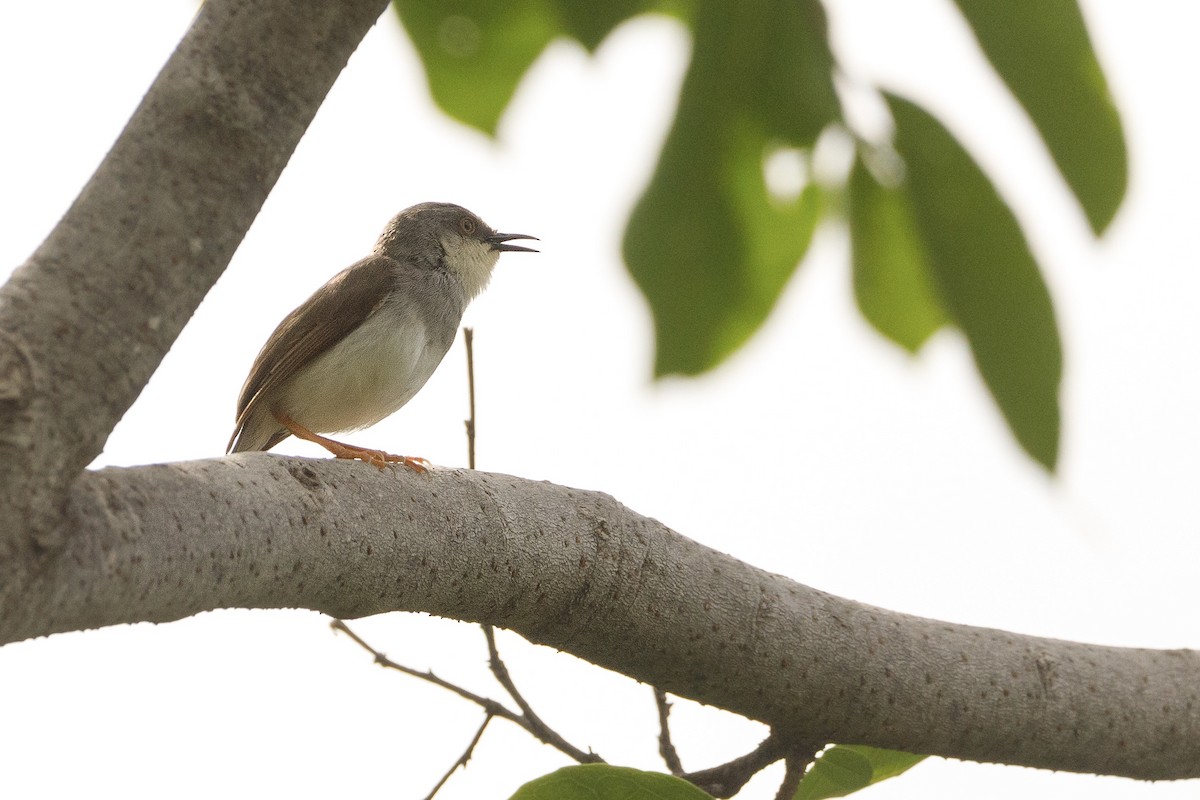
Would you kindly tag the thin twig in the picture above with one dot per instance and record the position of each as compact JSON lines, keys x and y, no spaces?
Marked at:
{"x":490,"y":706}
{"x":531,"y":723}
{"x":463,"y":759}
{"x":545,"y":732}
{"x":666,"y":748}
{"x":727,"y":779}
{"x":469,"y":339}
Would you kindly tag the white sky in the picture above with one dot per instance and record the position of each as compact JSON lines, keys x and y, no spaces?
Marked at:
{"x":820,"y":451}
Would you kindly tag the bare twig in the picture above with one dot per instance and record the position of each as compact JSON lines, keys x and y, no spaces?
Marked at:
{"x":469,"y":340}
{"x":543,"y":731}
{"x":527,"y":720}
{"x":463,"y":759}
{"x":734,"y":774}
{"x":721,"y":781}
{"x":727,"y":779}
{"x":530,"y":720}
{"x":666,"y":748}
{"x":491,"y":707}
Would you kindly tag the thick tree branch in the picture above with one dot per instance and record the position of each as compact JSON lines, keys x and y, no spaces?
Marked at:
{"x":578,"y":571}
{"x":86,"y":321}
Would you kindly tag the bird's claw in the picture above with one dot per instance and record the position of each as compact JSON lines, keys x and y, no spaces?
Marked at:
{"x":415,"y":463}
{"x":380,"y":459}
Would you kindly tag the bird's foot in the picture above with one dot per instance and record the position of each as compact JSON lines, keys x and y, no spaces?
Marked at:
{"x":376,"y":458}
{"x":381,"y":459}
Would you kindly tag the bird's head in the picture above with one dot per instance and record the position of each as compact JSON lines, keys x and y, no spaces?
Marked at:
{"x":447,"y":236}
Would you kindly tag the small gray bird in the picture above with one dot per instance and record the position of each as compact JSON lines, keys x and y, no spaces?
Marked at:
{"x":368,"y":340}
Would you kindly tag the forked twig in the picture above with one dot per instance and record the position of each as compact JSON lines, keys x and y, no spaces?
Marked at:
{"x":727,"y":779}
{"x":490,"y":706}
{"x":545,"y":732}
{"x":531,"y":723}
{"x":721,"y":781}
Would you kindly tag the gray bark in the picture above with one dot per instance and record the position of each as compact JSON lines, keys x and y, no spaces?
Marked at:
{"x":578,"y":571}
{"x":86,"y":321}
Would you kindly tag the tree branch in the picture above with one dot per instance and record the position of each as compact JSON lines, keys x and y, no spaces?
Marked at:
{"x":666,"y":748}
{"x":462,"y":760}
{"x":578,"y":571}
{"x":491,"y":707}
{"x":532,"y":724}
{"x":726,"y":780}
{"x":795,"y":766}
{"x":86,"y":321}
{"x":538,"y":726}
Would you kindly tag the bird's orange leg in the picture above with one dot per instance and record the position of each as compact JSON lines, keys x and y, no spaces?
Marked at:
{"x":377,"y":458}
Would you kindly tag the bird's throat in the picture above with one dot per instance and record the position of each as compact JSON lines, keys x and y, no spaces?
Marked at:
{"x":471,"y":261}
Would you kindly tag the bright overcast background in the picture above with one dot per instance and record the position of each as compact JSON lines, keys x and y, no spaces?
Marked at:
{"x":819,"y":451}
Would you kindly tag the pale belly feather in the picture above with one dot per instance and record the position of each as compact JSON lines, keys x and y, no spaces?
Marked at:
{"x":364,"y":378}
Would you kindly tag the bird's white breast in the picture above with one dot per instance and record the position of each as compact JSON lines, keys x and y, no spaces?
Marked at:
{"x":367,"y":376}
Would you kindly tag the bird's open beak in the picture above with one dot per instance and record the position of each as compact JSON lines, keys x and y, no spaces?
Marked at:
{"x":498,"y":242}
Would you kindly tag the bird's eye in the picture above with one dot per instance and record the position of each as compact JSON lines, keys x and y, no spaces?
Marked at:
{"x":466,"y":225}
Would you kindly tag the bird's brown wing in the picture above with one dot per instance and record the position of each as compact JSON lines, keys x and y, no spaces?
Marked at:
{"x":317,"y":324}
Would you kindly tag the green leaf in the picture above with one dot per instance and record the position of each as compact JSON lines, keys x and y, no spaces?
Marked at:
{"x":476,"y":51}
{"x":892,"y":280}
{"x":1041,"y":50}
{"x":604,"y":782}
{"x":591,"y":22}
{"x":986,"y":276}
{"x":837,"y":773}
{"x":884,"y":763}
{"x":709,"y":246}
{"x":844,"y":769}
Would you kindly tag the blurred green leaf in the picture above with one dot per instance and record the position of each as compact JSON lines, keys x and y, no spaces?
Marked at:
{"x":589,"y":23}
{"x":709,"y":246}
{"x":844,"y":769}
{"x":712,"y":248}
{"x":604,"y":782}
{"x":986,"y":276}
{"x":892,"y":281}
{"x":476,"y":51}
{"x":1041,"y":50}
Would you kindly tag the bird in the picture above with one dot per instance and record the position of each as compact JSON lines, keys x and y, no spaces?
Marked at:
{"x":366,"y":342}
